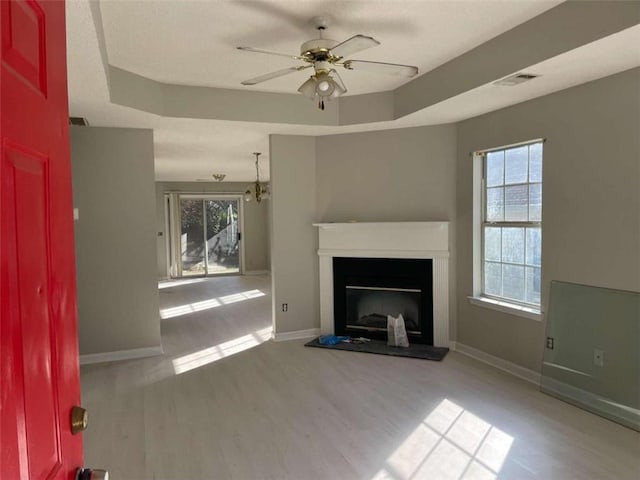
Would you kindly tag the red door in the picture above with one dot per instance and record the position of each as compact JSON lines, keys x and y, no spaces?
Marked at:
{"x":39,"y":381}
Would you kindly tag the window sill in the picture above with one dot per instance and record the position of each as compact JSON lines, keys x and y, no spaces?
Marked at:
{"x":506,"y":307}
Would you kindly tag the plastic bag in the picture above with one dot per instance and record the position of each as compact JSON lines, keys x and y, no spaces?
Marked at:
{"x":331,"y":339}
{"x":396,"y":332}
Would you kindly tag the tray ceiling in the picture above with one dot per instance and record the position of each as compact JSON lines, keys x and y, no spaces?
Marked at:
{"x":192,"y":43}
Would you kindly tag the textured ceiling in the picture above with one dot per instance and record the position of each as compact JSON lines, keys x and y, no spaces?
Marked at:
{"x":193,"y":43}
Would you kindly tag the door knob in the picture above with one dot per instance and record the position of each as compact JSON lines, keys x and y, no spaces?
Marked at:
{"x":79,"y":419}
{"x":88,"y":474}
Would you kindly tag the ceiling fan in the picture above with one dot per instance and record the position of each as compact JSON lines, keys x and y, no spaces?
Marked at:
{"x":324,"y":54}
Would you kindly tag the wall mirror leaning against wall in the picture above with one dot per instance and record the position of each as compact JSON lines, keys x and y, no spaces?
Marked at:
{"x":592,"y":351}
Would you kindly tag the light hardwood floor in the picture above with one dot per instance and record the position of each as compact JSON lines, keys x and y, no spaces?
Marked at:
{"x":223,"y":403}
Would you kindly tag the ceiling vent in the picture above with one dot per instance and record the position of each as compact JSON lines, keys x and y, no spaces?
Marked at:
{"x":79,"y":121}
{"x":515,"y":79}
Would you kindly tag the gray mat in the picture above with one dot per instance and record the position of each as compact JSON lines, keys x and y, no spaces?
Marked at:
{"x":380,"y":347}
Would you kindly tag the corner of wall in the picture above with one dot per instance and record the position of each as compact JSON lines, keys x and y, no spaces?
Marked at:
{"x":294,"y":261}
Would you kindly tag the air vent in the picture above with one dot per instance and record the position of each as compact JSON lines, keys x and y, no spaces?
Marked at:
{"x":516,"y":79}
{"x":79,"y":121}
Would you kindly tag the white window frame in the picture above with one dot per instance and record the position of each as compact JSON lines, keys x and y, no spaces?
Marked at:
{"x":479,"y":192}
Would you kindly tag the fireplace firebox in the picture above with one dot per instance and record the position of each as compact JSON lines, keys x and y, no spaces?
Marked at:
{"x":366,"y":290}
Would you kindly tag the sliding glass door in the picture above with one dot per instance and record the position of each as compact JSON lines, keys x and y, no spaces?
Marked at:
{"x":209,"y":235}
{"x":223,"y":239}
{"x":192,"y":245}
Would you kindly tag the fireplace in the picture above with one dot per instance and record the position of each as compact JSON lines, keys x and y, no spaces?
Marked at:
{"x":366,"y":290}
{"x":424,"y":245}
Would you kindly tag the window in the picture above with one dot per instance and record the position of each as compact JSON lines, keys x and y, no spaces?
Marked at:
{"x":511,"y":224}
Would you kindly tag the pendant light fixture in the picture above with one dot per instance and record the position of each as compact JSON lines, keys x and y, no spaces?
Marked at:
{"x":257,"y":190}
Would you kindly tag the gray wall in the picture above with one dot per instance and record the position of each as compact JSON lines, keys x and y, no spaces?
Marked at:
{"x":591,"y":201}
{"x":255,"y":228}
{"x":393,"y":175}
{"x":294,"y":259}
{"x":113,"y":188}
{"x":390,"y":176}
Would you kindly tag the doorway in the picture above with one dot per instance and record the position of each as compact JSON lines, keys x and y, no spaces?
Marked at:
{"x":206,"y":235}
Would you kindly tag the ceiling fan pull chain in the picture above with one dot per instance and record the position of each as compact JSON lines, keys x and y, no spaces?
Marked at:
{"x":321,"y":104}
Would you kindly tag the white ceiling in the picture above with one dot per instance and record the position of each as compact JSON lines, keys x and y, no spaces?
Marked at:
{"x":193,"y":43}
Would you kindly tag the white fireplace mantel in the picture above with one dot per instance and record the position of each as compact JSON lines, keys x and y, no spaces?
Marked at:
{"x":424,"y":240}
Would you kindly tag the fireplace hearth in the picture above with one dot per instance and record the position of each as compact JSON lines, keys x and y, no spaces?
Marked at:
{"x":374,"y":296}
{"x":366,"y":290}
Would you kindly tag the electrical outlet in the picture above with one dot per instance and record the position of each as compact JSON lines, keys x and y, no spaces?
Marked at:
{"x":598,"y":357}
{"x":550,"y":343}
{"x":285,"y":307}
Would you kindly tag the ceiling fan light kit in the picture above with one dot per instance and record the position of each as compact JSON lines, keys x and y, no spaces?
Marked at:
{"x":323,"y":54}
{"x":323,"y":86}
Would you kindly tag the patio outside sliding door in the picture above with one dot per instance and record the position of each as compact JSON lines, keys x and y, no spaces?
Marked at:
{"x":222,"y":236}
{"x":209,"y":235}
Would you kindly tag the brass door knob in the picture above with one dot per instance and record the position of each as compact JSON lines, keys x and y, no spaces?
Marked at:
{"x":79,"y":419}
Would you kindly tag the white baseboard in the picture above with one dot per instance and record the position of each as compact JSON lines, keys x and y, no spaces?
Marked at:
{"x":298,"y":334}
{"x":623,"y":414}
{"x":497,"y":362}
{"x":120,"y":355}
{"x":256,"y":272}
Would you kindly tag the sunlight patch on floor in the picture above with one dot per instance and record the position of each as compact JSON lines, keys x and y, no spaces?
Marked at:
{"x":211,"y":354}
{"x":179,"y":282}
{"x":210,"y":303}
{"x":451,"y":443}
{"x":239,"y":297}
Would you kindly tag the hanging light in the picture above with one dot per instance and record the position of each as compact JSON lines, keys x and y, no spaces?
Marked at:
{"x":257,"y":190}
{"x":323,"y":86}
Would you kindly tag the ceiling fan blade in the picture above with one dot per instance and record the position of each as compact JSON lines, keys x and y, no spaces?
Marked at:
{"x":354,"y":44}
{"x":258,"y":50}
{"x":381,"y":67}
{"x":339,"y":82}
{"x":276,"y":74}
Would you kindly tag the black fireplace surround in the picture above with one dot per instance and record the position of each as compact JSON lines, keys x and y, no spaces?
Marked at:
{"x":366,"y":290}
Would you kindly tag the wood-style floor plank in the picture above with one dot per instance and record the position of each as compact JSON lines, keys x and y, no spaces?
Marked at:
{"x":246,"y":408}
